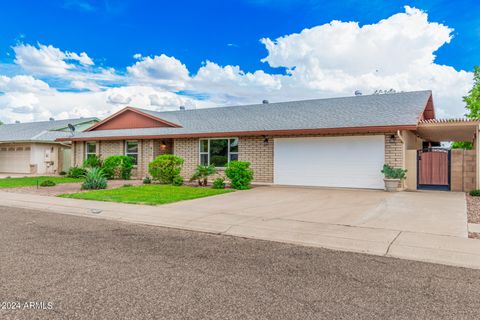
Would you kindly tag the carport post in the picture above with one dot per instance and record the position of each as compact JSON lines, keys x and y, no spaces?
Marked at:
{"x":477,"y":157}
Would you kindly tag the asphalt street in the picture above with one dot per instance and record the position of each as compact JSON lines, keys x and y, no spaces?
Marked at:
{"x":55,"y":266}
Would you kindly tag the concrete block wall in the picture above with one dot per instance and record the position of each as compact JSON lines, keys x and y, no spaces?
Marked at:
{"x":463,"y":170}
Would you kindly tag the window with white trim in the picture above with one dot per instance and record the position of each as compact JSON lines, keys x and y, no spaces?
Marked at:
{"x":90,"y":149}
{"x":218,"y":152}
{"x":131,"y":150}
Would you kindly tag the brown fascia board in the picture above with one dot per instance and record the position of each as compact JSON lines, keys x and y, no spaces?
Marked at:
{"x":96,"y":125}
{"x":372,"y":129}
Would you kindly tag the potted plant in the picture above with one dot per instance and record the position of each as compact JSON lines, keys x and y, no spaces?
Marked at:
{"x":393,"y":177}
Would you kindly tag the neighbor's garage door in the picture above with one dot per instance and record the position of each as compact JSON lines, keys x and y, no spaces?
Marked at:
{"x":15,"y":159}
{"x":349,"y":161}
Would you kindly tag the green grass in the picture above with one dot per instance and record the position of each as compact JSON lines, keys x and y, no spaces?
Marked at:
{"x":147,"y":194}
{"x":32,"y":181}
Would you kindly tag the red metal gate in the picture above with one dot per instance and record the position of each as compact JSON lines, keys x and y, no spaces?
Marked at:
{"x":433,"y":169}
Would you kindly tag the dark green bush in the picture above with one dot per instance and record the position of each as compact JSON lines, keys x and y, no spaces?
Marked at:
{"x":94,"y":179}
{"x":147,"y":180}
{"x":76,"y":172}
{"x":239,"y":174}
{"x":93,"y":161}
{"x":202,"y":173}
{"x":475,"y":193}
{"x":177,"y":181}
{"x":62,"y":173}
{"x":47,"y":183}
{"x":218,"y":183}
{"x":394,"y":173}
{"x":165,"y":168}
{"x":118,"y":167}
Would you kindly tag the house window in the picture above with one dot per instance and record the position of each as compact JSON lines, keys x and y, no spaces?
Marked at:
{"x":131,"y":150}
{"x":90,"y":149}
{"x":218,"y":152}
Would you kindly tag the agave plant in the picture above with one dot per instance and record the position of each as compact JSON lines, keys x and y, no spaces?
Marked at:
{"x":94,"y":179}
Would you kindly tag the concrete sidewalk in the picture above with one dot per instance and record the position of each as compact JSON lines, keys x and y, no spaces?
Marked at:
{"x":444,"y":249}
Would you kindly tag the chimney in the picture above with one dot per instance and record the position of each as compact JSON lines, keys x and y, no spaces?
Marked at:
{"x":265,"y":102}
{"x":17,"y":121}
{"x":51,"y":119}
{"x":182,"y":107}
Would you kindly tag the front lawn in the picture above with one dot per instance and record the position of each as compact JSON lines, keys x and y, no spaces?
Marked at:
{"x":32,"y":181}
{"x":147,"y":194}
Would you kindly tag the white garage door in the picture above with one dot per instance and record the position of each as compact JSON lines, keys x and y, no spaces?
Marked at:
{"x":15,"y":159}
{"x":350,"y":161}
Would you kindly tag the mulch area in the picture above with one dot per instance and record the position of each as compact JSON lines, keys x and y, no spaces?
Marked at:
{"x":67,"y":188}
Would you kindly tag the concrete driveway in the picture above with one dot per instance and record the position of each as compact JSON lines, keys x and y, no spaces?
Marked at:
{"x":425,"y":226}
{"x":442,"y":213}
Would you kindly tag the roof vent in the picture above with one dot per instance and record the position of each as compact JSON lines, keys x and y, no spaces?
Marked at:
{"x":265,"y":101}
{"x":182,"y":107}
{"x":51,"y":119}
{"x":358,"y":92}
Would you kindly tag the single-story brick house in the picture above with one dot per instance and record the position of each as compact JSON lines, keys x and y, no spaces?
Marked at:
{"x":31,"y":147}
{"x":337,"y":142}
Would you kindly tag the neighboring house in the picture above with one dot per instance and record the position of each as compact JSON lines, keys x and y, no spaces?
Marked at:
{"x":31,"y":148}
{"x":338,"y":142}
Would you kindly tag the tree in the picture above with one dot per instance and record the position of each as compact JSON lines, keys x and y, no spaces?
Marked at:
{"x":472,"y":101}
{"x":1,"y":122}
{"x":473,"y":98}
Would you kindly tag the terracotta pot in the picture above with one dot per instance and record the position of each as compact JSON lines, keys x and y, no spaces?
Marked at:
{"x":392,"y":185}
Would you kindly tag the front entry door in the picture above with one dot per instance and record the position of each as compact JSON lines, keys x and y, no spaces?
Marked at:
{"x":433,"y":169}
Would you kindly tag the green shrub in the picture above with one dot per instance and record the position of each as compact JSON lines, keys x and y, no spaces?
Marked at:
{"x":62,"y":173}
{"x":177,"y":181}
{"x":94,"y":179}
{"x":47,"y":183}
{"x":219,"y":183}
{"x":165,"y":168}
{"x":239,"y":174}
{"x":394,"y":173}
{"x":147,"y":180}
{"x":467,"y":145}
{"x":76,"y":172}
{"x":127,"y":185}
{"x":202,"y":173}
{"x":93,"y":161}
{"x":118,"y":167}
{"x":475,"y":193}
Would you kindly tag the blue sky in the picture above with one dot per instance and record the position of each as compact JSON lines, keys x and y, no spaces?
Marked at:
{"x":226,"y":33}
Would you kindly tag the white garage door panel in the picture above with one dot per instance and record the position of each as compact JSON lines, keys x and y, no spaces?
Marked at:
{"x":15,"y":159}
{"x":351,"y":161}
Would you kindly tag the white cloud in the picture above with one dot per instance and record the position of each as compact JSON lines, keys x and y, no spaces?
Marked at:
{"x":160,"y":70}
{"x":22,"y":84}
{"x":333,"y":59}
{"x":48,"y":60}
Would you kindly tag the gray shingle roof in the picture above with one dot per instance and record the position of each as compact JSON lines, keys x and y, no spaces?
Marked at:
{"x":357,"y":111}
{"x":38,"y":131}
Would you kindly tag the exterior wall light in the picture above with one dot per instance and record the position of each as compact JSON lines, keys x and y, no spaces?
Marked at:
{"x":163,"y":145}
{"x":392,"y":138}
{"x":265,"y":140}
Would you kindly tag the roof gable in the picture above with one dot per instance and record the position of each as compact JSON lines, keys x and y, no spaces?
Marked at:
{"x":131,"y":118}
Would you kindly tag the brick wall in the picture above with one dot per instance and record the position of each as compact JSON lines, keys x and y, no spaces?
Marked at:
{"x":251,"y":149}
{"x":187,"y":149}
{"x":78,"y":156}
{"x":260,"y":155}
{"x":463,"y":170}
{"x":394,"y":151}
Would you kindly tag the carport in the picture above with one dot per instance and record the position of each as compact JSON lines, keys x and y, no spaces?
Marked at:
{"x":439,"y":168}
